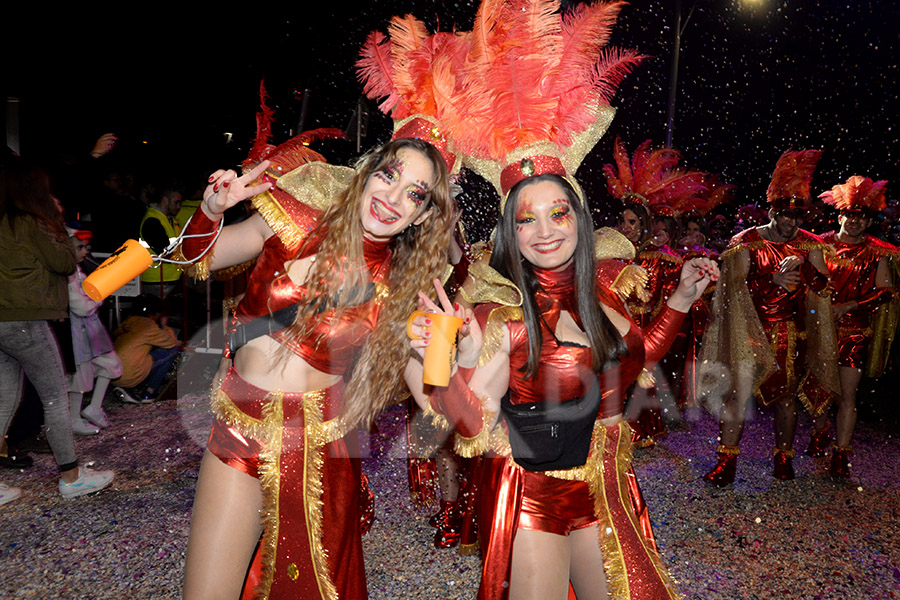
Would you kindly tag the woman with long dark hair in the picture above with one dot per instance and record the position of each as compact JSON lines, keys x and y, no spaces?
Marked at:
{"x":36,"y":257}
{"x":555,"y":351}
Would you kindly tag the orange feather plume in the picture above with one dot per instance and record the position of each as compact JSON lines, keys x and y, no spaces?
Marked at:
{"x":858,"y":193}
{"x":792,"y":176}
{"x":651,"y":177}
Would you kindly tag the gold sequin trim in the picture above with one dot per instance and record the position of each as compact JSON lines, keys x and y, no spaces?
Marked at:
{"x":314,"y":432}
{"x":481,"y":443}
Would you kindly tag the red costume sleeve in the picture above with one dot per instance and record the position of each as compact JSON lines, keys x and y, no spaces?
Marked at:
{"x":200,"y":224}
{"x":459,"y":404}
{"x":875,"y":298}
{"x":660,"y":334}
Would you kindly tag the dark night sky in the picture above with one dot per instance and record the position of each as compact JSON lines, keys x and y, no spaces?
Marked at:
{"x":752,"y":82}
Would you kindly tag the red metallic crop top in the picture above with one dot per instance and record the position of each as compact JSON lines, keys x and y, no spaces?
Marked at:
{"x":334,"y":343}
{"x":565,"y":370}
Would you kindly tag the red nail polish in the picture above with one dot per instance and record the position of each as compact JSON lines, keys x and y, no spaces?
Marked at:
{"x":225,"y":184}
{"x":211,"y":178}
{"x":216,"y":188}
{"x":427,"y":322}
{"x":456,"y":306}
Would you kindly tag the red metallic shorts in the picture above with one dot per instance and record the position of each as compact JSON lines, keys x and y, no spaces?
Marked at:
{"x":555,"y":505}
{"x":852,"y":349}
{"x":227,"y":443}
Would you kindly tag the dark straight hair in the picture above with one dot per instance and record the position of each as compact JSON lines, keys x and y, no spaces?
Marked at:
{"x":605,"y":341}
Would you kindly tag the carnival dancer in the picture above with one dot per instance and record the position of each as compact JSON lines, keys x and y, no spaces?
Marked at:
{"x":649,"y":181}
{"x":861,"y":275}
{"x":341,"y":252}
{"x":556,"y":337}
{"x":772,"y":331}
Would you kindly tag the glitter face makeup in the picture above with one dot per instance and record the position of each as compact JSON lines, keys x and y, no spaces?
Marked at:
{"x":545,"y":226}
{"x":392,"y":196}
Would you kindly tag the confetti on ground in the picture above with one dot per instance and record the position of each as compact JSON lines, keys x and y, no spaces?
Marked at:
{"x":813,"y":538}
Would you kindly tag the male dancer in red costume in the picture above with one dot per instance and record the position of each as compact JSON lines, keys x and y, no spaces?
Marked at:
{"x":861,"y":275}
{"x":772,"y":324}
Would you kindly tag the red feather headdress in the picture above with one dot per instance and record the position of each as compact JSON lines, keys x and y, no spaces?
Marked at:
{"x":535,"y":88}
{"x":650,"y":177}
{"x":859,"y":193}
{"x":416,"y":73}
{"x":793,"y":173}
{"x":286,"y":156}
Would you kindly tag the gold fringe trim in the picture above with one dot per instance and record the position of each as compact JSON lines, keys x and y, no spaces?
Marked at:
{"x":614,"y":562}
{"x":730,"y":450}
{"x":268,"y":432}
{"x":868,"y":252}
{"x":199,"y":270}
{"x":492,"y":338}
{"x":789,"y":453}
{"x":315,"y":434}
{"x":481,"y":443}
{"x":232,"y":272}
{"x":279,"y":220}
{"x":656,"y":254}
{"x":437,"y":419}
{"x":270,"y":483}
{"x":632,"y":279}
{"x":616,"y":569}
{"x":261,"y":430}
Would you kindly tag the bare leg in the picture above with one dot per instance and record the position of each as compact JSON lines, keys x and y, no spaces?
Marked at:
{"x":846,"y":414}
{"x":540,"y":566}
{"x":225,"y":527}
{"x":100,"y":387}
{"x":586,"y":569}
{"x":785,"y":423}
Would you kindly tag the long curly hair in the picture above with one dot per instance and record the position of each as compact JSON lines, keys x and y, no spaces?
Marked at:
{"x":506,"y":259}
{"x":335,"y":279}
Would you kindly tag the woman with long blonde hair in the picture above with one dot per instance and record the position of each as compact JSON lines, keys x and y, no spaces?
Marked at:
{"x":318,"y":349}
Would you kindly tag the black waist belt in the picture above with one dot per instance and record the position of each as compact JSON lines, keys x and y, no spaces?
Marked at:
{"x":546,"y":436}
{"x":278,"y":320}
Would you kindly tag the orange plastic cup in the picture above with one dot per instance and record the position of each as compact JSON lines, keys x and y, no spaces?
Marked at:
{"x":126,"y":263}
{"x":441,"y":351}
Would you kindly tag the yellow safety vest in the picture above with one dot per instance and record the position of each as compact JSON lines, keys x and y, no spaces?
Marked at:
{"x":169,"y":272}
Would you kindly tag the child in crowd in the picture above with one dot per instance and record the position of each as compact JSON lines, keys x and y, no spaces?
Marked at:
{"x":95,"y":357}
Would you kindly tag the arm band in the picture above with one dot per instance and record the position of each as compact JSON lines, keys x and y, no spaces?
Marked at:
{"x":460,"y":405}
{"x":192,"y":247}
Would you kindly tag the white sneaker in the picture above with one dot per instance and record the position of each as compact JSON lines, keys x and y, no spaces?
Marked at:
{"x":97,"y":417}
{"x":8,"y":494}
{"x":82,"y":427}
{"x":124,"y":396}
{"x":88,"y":482}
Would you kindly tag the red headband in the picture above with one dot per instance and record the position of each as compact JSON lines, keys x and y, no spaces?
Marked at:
{"x":422,"y":129}
{"x":530,"y":166}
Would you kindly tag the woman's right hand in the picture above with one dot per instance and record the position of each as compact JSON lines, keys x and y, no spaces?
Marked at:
{"x":470,"y":336}
{"x":226,"y":189}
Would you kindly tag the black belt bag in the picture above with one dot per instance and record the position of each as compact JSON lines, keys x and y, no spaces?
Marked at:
{"x":547,"y":436}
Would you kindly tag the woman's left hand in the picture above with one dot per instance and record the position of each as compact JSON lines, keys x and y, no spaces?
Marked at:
{"x":696,"y":275}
